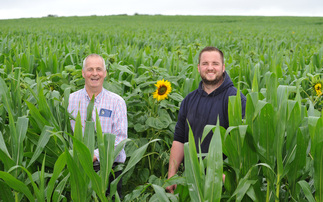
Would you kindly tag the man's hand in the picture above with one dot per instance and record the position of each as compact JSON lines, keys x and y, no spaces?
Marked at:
{"x":94,"y":158}
{"x":171,"y":188}
{"x":175,"y":159}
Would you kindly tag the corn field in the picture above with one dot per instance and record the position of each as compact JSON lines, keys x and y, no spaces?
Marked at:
{"x":274,"y":154}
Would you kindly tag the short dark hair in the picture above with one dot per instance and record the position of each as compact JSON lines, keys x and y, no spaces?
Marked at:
{"x":209,"y":49}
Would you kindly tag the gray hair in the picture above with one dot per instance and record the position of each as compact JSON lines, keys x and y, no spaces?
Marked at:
{"x":94,"y":55}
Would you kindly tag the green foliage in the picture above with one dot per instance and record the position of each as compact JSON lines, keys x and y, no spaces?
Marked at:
{"x":273,"y":154}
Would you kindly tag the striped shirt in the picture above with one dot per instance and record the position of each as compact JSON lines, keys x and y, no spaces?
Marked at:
{"x":112,"y":112}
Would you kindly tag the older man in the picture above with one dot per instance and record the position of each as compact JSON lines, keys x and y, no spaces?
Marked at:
{"x":111,"y":107}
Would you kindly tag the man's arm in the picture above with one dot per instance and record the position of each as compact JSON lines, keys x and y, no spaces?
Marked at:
{"x":120,"y":128}
{"x":176,"y":158}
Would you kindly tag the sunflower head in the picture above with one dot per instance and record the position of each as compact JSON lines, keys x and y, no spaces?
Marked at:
{"x":163,"y":89}
{"x":317,"y":87}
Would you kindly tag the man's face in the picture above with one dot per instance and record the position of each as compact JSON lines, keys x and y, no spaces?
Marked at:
{"x":94,"y":72}
{"x":211,"y":67}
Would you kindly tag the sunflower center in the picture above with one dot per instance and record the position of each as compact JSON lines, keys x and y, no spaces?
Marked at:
{"x":162,"y":90}
{"x":318,"y":87}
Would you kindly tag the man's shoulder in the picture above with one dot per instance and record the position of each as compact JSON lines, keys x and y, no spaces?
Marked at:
{"x":76,"y":93}
{"x":191,"y":95}
{"x":112,"y":95}
{"x":189,"y":98}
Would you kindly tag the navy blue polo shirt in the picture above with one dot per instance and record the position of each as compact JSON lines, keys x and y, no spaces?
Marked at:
{"x":202,"y":109}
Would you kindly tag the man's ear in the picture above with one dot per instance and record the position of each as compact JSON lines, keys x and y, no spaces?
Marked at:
{"x":83,"y":73}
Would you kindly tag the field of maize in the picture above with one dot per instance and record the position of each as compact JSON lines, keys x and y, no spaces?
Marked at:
{"x":274,"y":154}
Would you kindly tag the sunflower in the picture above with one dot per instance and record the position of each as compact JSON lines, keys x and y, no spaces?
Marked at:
{"x":318,"y":88}
{"x":163,"y":89}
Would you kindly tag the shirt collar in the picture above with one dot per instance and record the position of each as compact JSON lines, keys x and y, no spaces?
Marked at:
{"x":97,"y":99}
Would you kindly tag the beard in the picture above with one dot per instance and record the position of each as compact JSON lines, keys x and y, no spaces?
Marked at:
{"x":214,"y":81}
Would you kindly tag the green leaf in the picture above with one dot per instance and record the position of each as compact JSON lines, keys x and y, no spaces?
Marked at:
{"x":214,"y":170}
{"x":78,"y":132}
{"x":312,"y":122}
{"x":207,"y":129}
{"x":230,"y":148}
{"x":158,"y":123}
{"x":293,"y":122}
{"x":122,"y":68}
{"x":78,"y":185}
{"x":35,"y":114}
{"x":42,"y":182}
{"x":255,"y":87}
{"x":190,"y":57}
{"x":12,"y":127}
{"x":89,"y":110}
{"x":58,"y":167}
{"x":22,"y":125}
{"x":6,"y":160}
{"x":85,"y":159}
{"x":5,"y":192}
{"x":107,"y":162}
{"x":183,"y":192}
{"x":42,"y":142}
{"x":44,"y":109}
{"x":307,"y":190}
{"x":16,"y":185}
{"x":119,"y":147}
{"x":140,"y":127}
{"x":4,"y":154}
{"x":245,"y":183}
{"x":175,"y":96}
{"x":271,"y":84}
{"x":264,"y":136}
{"x":37,"y":192}
{"x":193,"y":171}
{"x":160,"y":192}
{"x":4,"y":92}
{"x":295,"y":167}
{"x":318,"y":172}
{"x":3,"y":146}
{"x":89,"y":136}
{"x":67,"y":92}
{"x":234,"y":110}
{"x":57,"y":196}
{"x":136,"y":156}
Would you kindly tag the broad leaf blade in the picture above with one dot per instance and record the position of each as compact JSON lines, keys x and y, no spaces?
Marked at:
{"x":307,"y":190}
{"x":16,"y":185}
{"x":214,"y":171}
{"x":42,"y":142}
{"x":192,"y":169}
{"x":160,"y":192}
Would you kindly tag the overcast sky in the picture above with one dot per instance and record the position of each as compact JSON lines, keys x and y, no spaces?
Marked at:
{"x":10,"y":9}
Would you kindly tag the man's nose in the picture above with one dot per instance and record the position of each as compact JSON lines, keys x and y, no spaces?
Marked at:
{"x":209,"y":66}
